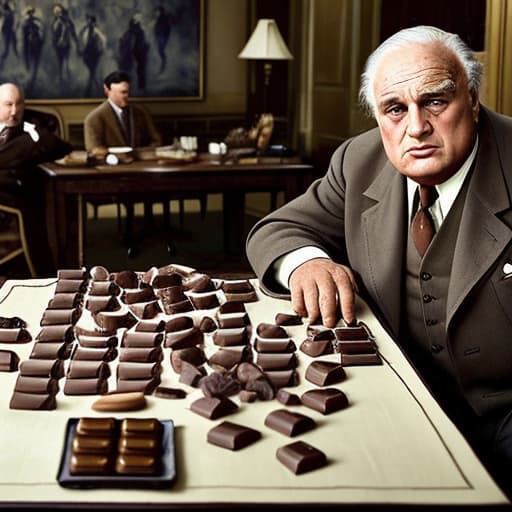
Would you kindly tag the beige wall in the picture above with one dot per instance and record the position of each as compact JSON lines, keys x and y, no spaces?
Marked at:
{"x":225,"y":74}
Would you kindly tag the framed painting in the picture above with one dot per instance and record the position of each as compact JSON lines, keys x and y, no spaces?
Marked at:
{"x":60,"y":51}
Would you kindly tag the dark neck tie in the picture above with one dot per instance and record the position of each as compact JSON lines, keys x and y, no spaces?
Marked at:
{"x":422,"y":227}
{"x":5,"y":135}
{"x":125,"y":121}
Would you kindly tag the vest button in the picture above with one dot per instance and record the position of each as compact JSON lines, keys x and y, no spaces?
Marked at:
{"x":431,"y":321}
{"x":425,"y":276}
{"x":427,"y":298}
{"x":436,"y":348}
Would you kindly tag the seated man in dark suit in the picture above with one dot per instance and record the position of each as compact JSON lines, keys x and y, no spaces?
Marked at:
{"x":24,"y":143}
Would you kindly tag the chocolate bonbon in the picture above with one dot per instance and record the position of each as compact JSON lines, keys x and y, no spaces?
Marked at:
{"x":300,"y":457}
{"x":289,"y":423}
{"x":232,"y":435}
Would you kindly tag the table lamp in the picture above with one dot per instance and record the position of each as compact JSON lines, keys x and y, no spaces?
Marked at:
{"x":267,"y":44}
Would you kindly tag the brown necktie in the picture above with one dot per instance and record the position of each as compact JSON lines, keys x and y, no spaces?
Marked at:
{"x":422,"y":227}
{"x":125,"y":118}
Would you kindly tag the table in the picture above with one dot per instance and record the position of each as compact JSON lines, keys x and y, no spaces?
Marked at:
{"x":68,"y":187}
{"x":392,"y":447}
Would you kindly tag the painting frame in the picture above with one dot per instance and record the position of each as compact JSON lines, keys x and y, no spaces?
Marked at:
{"x":160,"y":43}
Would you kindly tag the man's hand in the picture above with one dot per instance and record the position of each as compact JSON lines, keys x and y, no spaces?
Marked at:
{"x":322,"y":288}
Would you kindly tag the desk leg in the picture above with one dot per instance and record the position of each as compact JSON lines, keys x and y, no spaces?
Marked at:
{"x":234,"y":225}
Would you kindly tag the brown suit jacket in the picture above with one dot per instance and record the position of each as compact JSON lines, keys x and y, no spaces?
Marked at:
{"x":102,"y":128}
{"x":357,"y":213}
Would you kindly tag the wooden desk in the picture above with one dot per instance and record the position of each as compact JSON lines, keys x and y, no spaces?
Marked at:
{"x":67,"y":188}
{"x":393,"y":448}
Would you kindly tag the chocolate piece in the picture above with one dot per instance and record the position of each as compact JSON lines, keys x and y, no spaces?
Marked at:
{"x":289,"y":423}
{"x":282,"y":378}
{"x":315,"y":348}
{"x":9,"y":361}
{"x":136,"y":464}
{"x":193,"y":355}
{"x":97,"y":303}
{"x":135,"y":445}
{"x":15,"y":335}
{"x":325,"y":400}
{"x":113,"y":320}
{"x":85,"y":444}
{"x":207,"y":324}
{"x":170,"y":393}
{"x":320,"y":333}
{"x":191,"y":374}
{"x":97,"y":341}
{"x":263,"y":387}
{"x":12,"y":322}
{"x":55,"y":333}
{"x":237,"y":286}
{"x":50,"y":350}
{"x":95,"y":330}
{"x":288,"y":319}
{"x":178,"y":307}
{"x":128,"y":370}
{"x":227,"y":357}
{"x":149,"y":326}
{"x":141,"y":427}
{"x":205,"y":300}
{"x":104,"y":288}
{"x":65,"y":301}
{"x":182,"y":339}
{"x":265,"y":330}
{"x":213,"y":407}
{"x":60,"y":316}
{"x":180,"y":323}
{"x":172,"y":294}
{"x":89,"y":464}
{"x":229,"y":320}
{"x":325,"y":373}
{"x":146,"y":386}
{"x":267,"y":345}
{"x":164,"y":281}
{"x":37,"y":385}
{"x":276,"y":361}
{"x":99,"y":273}
{"x":230,"y":337}
{"x":145,"y":310}
{"x":96,"y":426}
{"x":199,"y":283}
{"x":241,"y":297}
{"x":219,"y":384}
{"x":300,"y":457}
{"x":232,"y":307}
{"x":79,"y":369}
{"x":71,"y":285}
{"x":287,"y":398}
{"x":360,"y":359}
{"x":232,"y":436}
{"x":142,"y":339}
{"x":93,"y":386}
{"x":248,"y":396}
{"x":33,"y":402}
{"x":247,"y":371}
{"x":106,"y":354}
{"x":71,"y":273}
{"x":348,"y":333}
{"x":117,"y":402}
{"x":141,"y":355}
{"x":42,"y":368}
{"x":126,"y":279}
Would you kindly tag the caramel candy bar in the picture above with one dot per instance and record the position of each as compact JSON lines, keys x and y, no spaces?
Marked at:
{"x":60,"y":316}
{"x":71,"y":285}
{"x":193,"y":355}
{"x":170,"y":393}
{"x":146,"y":386}
{"x":325,"y":373}
{"x":9,"y":361}
{"x":72,"y":273}
{"x":141,"y":354}
{"x":136,"y":464}
{"x":289,"y":423}
{"x":300,"y":457}
{"x":315,"y":348}
{"x":80,"y":369}
{"x":126,"y":279}
{"x":104,"y":288}
{"x":227,"y":357}
{"x":230,"y":337}
{"x":141,"y":427}
{"x":98,"y":303}
{"x":276,"y":361}
{"x":96,"y":427}
{"x":265,"y":330}
{"x":360,"y":359}
{"x":106,"y":354}
{"x":145,"y":310}
{"x":150,"y":325}
{"x":117,"y":402}
{"x":213,"y":407}
{"x":89,"y":464}
{"x":142,"y":339}
{"x":90,"y":386}
{"x":36,"y":385}
{"x":179,"y":323}
{"x":184,"y":339}
{"x":33,"y":402}
{"x":325,"y":400}
{"x":138,"y":445}
{"x":287,"y":398}
{"x":50,"y":350}
{"x":65,"y":301}
{"x":139,"y":295}
{"x":19,"y":335}
{"x":205,"y":300}
{"x":42,"y":368}
{"x":237,"y":286}
{"x":99,"y":273}
{"x":86,"y":444}
{"x":53,"y":333}
{"x":287,"y":319}
{"x":88,"y":341}
{"x":274,"y":345}
{"x":129,"y":370}
{"x":232,"y":436}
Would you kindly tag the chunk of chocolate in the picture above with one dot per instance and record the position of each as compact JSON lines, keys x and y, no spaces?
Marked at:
{"x":183,"y":339}
{"x":104,"y":289}
{"x":142,"y":339}
{"x":232,"y":336}
{"x":9,"y":361}
{"x":165,"y":281}
{"x":12,"y":322}
{"x":241,"y":297}
{"x":282,"y":378}
{"x":193,"y":355}
{"x":80,"y":369}
{"x":198,"y":282}
{"x":90,"y":386}
{"x":97,"y":341}
{"x":326,"y":400}
{"x":170,"y":393}
{"x":207,"y":324}
{"x":84,"y":444}
{"x":213,"y":407}
{"x":179,"y":323}
{"x":288,"y":319}
{"x":150,"y":325}
{"x":37,"y":385}
{"x":136,"y":464}
{"x":191,"y":374}
{"x":33,"y":401}
{"x":229,"y":320}
{"x":126,"y":279}
{"x":266,"y":330}
{"x":174,"y":308}
{"x":42,"y":368}
{"x":15,"y":335}
{"x":138,"y":295}
{"x":227,"y":357}
{"x":113,"y":320}
{"x":71,"y":285}
{"x":325,"y":373}
{"x":204,"y":300}
{"x":360,"y":359}
{"x":232,"y":435}
{"x":97,"y":303}
{"x":53,"y":333}
{"x":65,"y":301}
{"x":237,"y":286}
{"x":315,"y":348}
{"x":287,"y":398}
{"x":96,"y":426}
{"x":141,"y":427}
{"x":89,"y":464}
{"x":320,"y":332}
{"x":300,"y":457}
{"x":72,"y":273}
{"x":129,"y":370}
{"x":232,"y":307}
{"x":146,"y":386}
{"x":267,"y":345}
{"x":145,"y":310}
{"x":171,"y":294}
{"x":276,"y":361}
{"x":141,"y":354}
{"x":106,"y":354}
{"x":49,"y":350}
{"x":289,"y":423}
{"x":99,"y":273}
{"x":219,"y":384}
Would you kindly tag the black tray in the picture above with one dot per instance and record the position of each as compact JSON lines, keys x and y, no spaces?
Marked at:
{"x":161,"y":481}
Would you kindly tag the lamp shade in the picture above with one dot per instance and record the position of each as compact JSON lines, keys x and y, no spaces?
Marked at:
{"x":266,"y":43}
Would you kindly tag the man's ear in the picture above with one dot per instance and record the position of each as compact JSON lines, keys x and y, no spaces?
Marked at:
{"x":475,"y":106}
{"x":105,"y":90}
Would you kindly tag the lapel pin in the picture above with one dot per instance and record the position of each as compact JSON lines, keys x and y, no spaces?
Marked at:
{"x":507,"y":269}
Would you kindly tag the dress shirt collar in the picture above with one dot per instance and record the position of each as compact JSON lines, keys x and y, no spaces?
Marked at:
{"x":447,"y":190}
{"x":118,"y":110}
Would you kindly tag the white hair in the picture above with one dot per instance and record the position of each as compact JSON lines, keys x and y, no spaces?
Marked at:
{"x":422,"y":34}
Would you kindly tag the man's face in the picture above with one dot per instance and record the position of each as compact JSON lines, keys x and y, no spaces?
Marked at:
{"x":425,"y":112}
{"x":12,"y":105}
{"x":119,"y":93}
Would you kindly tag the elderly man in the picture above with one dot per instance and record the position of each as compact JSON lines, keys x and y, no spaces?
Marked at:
{"x":436,"y":269}
{"x":25,"y":142}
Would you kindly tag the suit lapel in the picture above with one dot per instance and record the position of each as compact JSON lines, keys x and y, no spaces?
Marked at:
{"x":383,"y":224}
